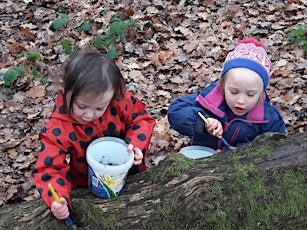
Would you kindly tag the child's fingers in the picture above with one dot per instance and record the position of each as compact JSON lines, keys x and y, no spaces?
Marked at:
{"x":214,"y":127}
{"x":60,"y":210}
{"x":218,"y":130}
{"x":138,"y":156}
{"x":137,"y":162}
{"x":130,"y":148}
{"x":218,"y":151}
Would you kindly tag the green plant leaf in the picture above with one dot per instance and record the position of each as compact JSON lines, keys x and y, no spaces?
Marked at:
{"x":148,"y":25}
{"x":112,"y":53}
{"x":68,"y":50}
{"x":35,"y":73}
{"x":33,"y":55}
{"x":103,"y":40}
{"x":20,"y":70}
{"x":66,"y":44}
{"x":117,"y":17}
{"x":97,"y":41}
{"x":298,"y":41}
{"x":85,"y":26}
{"x":109,"y":39}
{"x":129,"y":22}
{"x":138,"y":26}
{"x":10,"y":76}
{"x":61,"y":21}
{"x":296,"y":32}
{"x":117,"y":28}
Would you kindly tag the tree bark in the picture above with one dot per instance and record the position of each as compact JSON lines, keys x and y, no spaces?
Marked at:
{"x":261,"y":185}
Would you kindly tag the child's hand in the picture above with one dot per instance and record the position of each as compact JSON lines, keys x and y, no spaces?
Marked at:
{"x":138,"y":155}
{"x":214,"y":127}
{"x":218,"y":151}
{"x":60,"y":210}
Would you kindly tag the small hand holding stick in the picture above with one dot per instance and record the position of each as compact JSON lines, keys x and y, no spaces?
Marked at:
{"x":219,"y":136}
{"x":56,"y":198}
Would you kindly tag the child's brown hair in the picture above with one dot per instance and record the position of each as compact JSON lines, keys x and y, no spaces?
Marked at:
{"x":89,"y":72}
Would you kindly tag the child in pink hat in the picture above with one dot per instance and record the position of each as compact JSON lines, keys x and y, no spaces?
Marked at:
{"x":236,"y":106}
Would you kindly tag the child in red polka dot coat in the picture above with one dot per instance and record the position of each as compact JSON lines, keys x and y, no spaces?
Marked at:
{"x":93,"y":103}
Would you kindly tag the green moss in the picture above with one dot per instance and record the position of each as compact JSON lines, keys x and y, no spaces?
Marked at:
{"x":174,"y":166}
{"x":109,"y":222}
{"x":98,"y":218}
{"x":252,"y":200}
{"x":261,"y":152}
{"x":165,"y":215}
{"x":247,"y":199}
{"x":156,"y":193}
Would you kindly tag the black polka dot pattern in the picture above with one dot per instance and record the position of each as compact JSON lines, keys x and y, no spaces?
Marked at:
{"x":72,"y":136}
{"x":62,"y":158}
{"x":136,"y":127}
{"x":89,"y":131}
{"x":113,"y":111}
{"x":141,"y":137}
{"x":46,"y":177}
{"x":60,"y":181}
{"x":42,"y":147}
{"x":63,"y":109}
{"x":56,"y":132}
{"x":48,"y":161}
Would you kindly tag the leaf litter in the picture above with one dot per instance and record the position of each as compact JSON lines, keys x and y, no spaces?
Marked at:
{"x":179,"y":48}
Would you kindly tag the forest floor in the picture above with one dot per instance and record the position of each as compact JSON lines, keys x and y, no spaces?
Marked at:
{"x":173,"y":48}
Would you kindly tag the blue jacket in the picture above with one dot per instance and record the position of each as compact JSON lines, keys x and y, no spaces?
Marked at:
{"x":238,"y":130}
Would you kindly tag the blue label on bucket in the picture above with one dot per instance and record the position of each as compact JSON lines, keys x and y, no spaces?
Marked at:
{"x":100,"y":185}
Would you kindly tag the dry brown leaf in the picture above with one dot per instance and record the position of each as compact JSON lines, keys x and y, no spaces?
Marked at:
{"x":189,"y":47}
{"x":36,"y":91}
{"x":16,"y":48}
{"x":282,"y":63}
{"x":26,"y":34}
{"x":178,"y":49}
{"x":12,"y":153}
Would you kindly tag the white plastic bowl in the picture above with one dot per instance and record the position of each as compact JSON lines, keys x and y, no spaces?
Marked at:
{"x":196,"y":151}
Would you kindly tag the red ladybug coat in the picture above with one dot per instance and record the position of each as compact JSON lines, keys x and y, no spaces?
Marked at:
{"x":62,"y":157}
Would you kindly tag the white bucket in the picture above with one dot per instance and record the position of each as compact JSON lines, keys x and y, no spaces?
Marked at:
{"x":108,"y":165}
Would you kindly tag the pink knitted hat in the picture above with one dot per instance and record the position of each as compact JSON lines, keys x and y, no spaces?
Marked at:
{"x":250,"y":53}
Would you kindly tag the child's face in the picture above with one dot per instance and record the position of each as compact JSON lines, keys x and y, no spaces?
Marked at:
{"x":243,"y":89}
{"x":88,"y":107}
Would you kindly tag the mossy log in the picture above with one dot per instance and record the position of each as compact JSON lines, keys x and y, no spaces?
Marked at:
{"x":259,"y":186}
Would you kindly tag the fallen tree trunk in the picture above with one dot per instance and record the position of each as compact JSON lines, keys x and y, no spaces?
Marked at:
{"x":262,"y":185}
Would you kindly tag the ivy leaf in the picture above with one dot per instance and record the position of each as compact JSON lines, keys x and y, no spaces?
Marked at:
{"x":20,"y":70}
{"x":61,"y":21}
{"x":112,"y":53}
{"x":298,"y":41}
{"x":85,"y":26}
{"x":117,"y":28}
{"x":117,"y":17}
{"x":34,"y":56}
{"x":35,"y":73}
{"x":109,"y":39}
{"x":97,"y":41}
{"x":103,"y":40}
{"x":10,"y":76}
{"x":66,"y":44}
